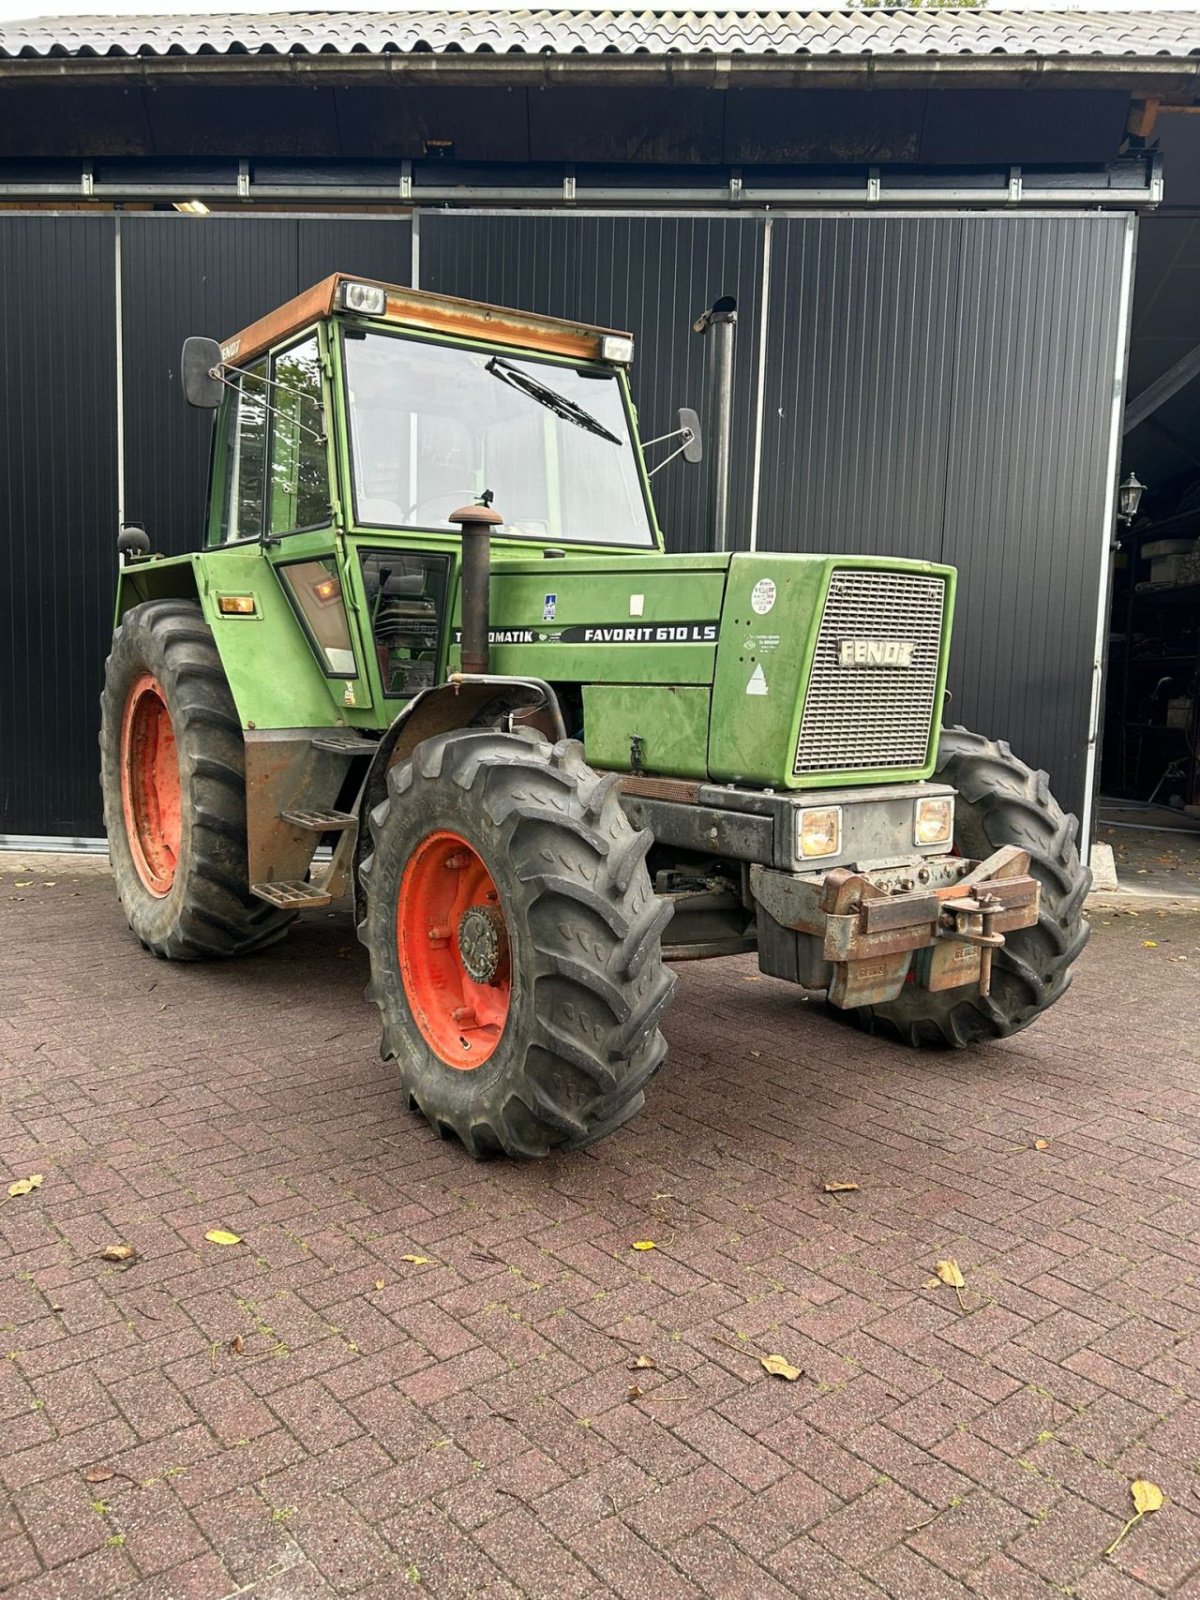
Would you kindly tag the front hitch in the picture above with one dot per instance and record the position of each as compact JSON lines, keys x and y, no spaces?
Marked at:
{"x":879,"y":931}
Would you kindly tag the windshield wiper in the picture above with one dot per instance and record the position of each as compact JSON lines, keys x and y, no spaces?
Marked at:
{"x":550,"y":398}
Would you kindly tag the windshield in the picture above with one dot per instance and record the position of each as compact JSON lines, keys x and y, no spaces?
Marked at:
{"x":433,"y":426}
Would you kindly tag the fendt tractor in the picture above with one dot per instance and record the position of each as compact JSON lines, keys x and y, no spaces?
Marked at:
{"x":433,"y":655}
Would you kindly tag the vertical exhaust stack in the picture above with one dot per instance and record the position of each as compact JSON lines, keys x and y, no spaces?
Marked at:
{"x":721,"y":320}
{"x":476,"y":522}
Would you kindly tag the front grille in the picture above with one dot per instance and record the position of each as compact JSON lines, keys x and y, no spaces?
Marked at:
{"x":869,"y":718}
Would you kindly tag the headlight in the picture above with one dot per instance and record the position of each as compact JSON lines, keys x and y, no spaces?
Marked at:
{"x":819,"y":833}
{"x":617,"y":347}
{"x":370,"y":298}
{"x":933,"y":821}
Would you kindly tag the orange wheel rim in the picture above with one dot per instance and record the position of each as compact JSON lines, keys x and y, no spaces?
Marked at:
{"x":150,"y":789}
{"x":452,"y":940}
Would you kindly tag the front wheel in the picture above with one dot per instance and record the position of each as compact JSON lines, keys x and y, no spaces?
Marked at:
{"x":1000,"y":801}
{"x":514,"y":941}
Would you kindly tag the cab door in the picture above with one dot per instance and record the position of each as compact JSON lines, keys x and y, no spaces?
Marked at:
{"x":278,"y":478}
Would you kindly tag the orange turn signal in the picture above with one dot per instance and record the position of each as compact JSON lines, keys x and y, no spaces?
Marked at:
{"x":327,"y":589}
{"x":236,"y":605}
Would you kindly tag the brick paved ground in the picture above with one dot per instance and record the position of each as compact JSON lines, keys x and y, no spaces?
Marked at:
{"x":471,"y":1428}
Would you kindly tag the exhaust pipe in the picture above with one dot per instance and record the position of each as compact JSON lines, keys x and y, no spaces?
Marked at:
{"x":476,"y":522}
{"x":721,"y":319}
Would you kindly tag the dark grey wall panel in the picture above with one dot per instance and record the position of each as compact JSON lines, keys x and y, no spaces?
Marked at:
{"x":213,"y":275}
{"x":58,"y":512}
{"x":860,"y":352}
{"x":942,"y":388}
{"x":1036,"y":357}
{"x":651,"y":275}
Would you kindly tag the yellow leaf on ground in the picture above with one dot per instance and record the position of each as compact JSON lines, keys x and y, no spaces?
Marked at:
{"x":643,"y":1244}
{"x":380,"y":1283}
{"x":222,"y":1236}
{"x":1147,"y":1496}
{"x":640,"y":1362}
{"x":117,"y":1252}
{"x":1041,"y":1144}
{"x":780,"y":1367}
{"x":1149,"y":944}
{"x":25,"y":1185}
{"x":635,"y":1392}
{"x":839,"y":1188}
{"x":416,"y":1261}
{"x":949,"y":1272}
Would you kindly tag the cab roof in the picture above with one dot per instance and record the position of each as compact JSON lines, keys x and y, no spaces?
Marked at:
{"x":432,"y":313}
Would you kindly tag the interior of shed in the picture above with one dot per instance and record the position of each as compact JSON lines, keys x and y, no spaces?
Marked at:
{"x":1150,"y":805}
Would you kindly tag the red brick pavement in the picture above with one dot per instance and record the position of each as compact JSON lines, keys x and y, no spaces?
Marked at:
{"x":472,"y":1427}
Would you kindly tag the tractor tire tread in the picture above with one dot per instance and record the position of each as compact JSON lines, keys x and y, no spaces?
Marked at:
{"x":1012,"y":804}
{"x":216,"y":916}
{"x":591,"y":955}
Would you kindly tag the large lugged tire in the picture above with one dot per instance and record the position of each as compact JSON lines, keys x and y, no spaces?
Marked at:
{"x":514,"y":940}
{"x":1001,"y":801}
{"x":173,"y":772}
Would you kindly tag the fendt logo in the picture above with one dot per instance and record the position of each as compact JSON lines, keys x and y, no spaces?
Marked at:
{"x":876,"y":652}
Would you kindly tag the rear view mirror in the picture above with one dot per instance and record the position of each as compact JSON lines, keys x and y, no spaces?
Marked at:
{"x":200,"y":359}
{"x":689,"y":427}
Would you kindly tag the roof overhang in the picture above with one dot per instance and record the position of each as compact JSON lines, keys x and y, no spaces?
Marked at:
{"x":1173,"y":80}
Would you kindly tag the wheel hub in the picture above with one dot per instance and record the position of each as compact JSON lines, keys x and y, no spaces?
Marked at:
{"x":483,"y":943}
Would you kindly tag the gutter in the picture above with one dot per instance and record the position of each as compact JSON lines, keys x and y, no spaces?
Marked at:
{"x":1173,"y":80}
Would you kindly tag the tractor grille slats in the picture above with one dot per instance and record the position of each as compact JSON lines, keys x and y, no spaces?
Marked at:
{"x":864,"y":718}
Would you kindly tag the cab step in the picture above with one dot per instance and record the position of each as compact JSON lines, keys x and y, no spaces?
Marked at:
{"x":291,"y":896}
{"x":343,"y":742}
{"x":320,"y":819}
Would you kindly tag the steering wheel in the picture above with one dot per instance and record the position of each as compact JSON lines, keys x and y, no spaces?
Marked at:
{"x":466,"y":496}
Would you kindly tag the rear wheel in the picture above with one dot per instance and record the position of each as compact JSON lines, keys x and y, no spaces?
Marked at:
{"x":172,"y":768}
{"x":1000,"y":801}
{"x":514,"y":941}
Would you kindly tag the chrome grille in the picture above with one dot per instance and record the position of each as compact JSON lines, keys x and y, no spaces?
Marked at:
{"x":865,"y":718}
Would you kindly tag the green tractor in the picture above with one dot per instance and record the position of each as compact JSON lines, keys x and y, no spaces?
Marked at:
{"x":433,"y":655}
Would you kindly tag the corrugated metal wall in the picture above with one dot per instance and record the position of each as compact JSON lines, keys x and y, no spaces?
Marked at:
{"x":58,"y":515}
{"x":652,"y":275}
{"x":58,"y":446}
{"x":943,"y":387}
{"x":936,"y":386}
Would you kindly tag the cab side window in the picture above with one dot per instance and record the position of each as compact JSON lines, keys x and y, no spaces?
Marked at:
{"x":246,"y":456}
{"x":299,"y":477}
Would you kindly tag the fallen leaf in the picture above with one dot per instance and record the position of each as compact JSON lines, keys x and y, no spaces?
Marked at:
{"x":1149,"y":944}
{"x":1147,"y":1497}
{"x":237,"y":1344}
{"x":98,"y":1475}
{"x":380,"y":1283}
{"x":641,"y":1362}
{"x":416,"y":1261}
{"x":643,"y":1244}
{"x":635,"y":1392}
{"x":1041,"y":1144}
{"x":117,"y":1252}
{"x":24,"y":1185}
{"x":949,"y":1272}
{"x":222,"y":1236}
{"x":779,"y":1367}
{"x":837,"y":1187}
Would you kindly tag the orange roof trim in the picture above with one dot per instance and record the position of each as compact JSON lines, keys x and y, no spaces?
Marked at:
{"x":416,"y":308}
